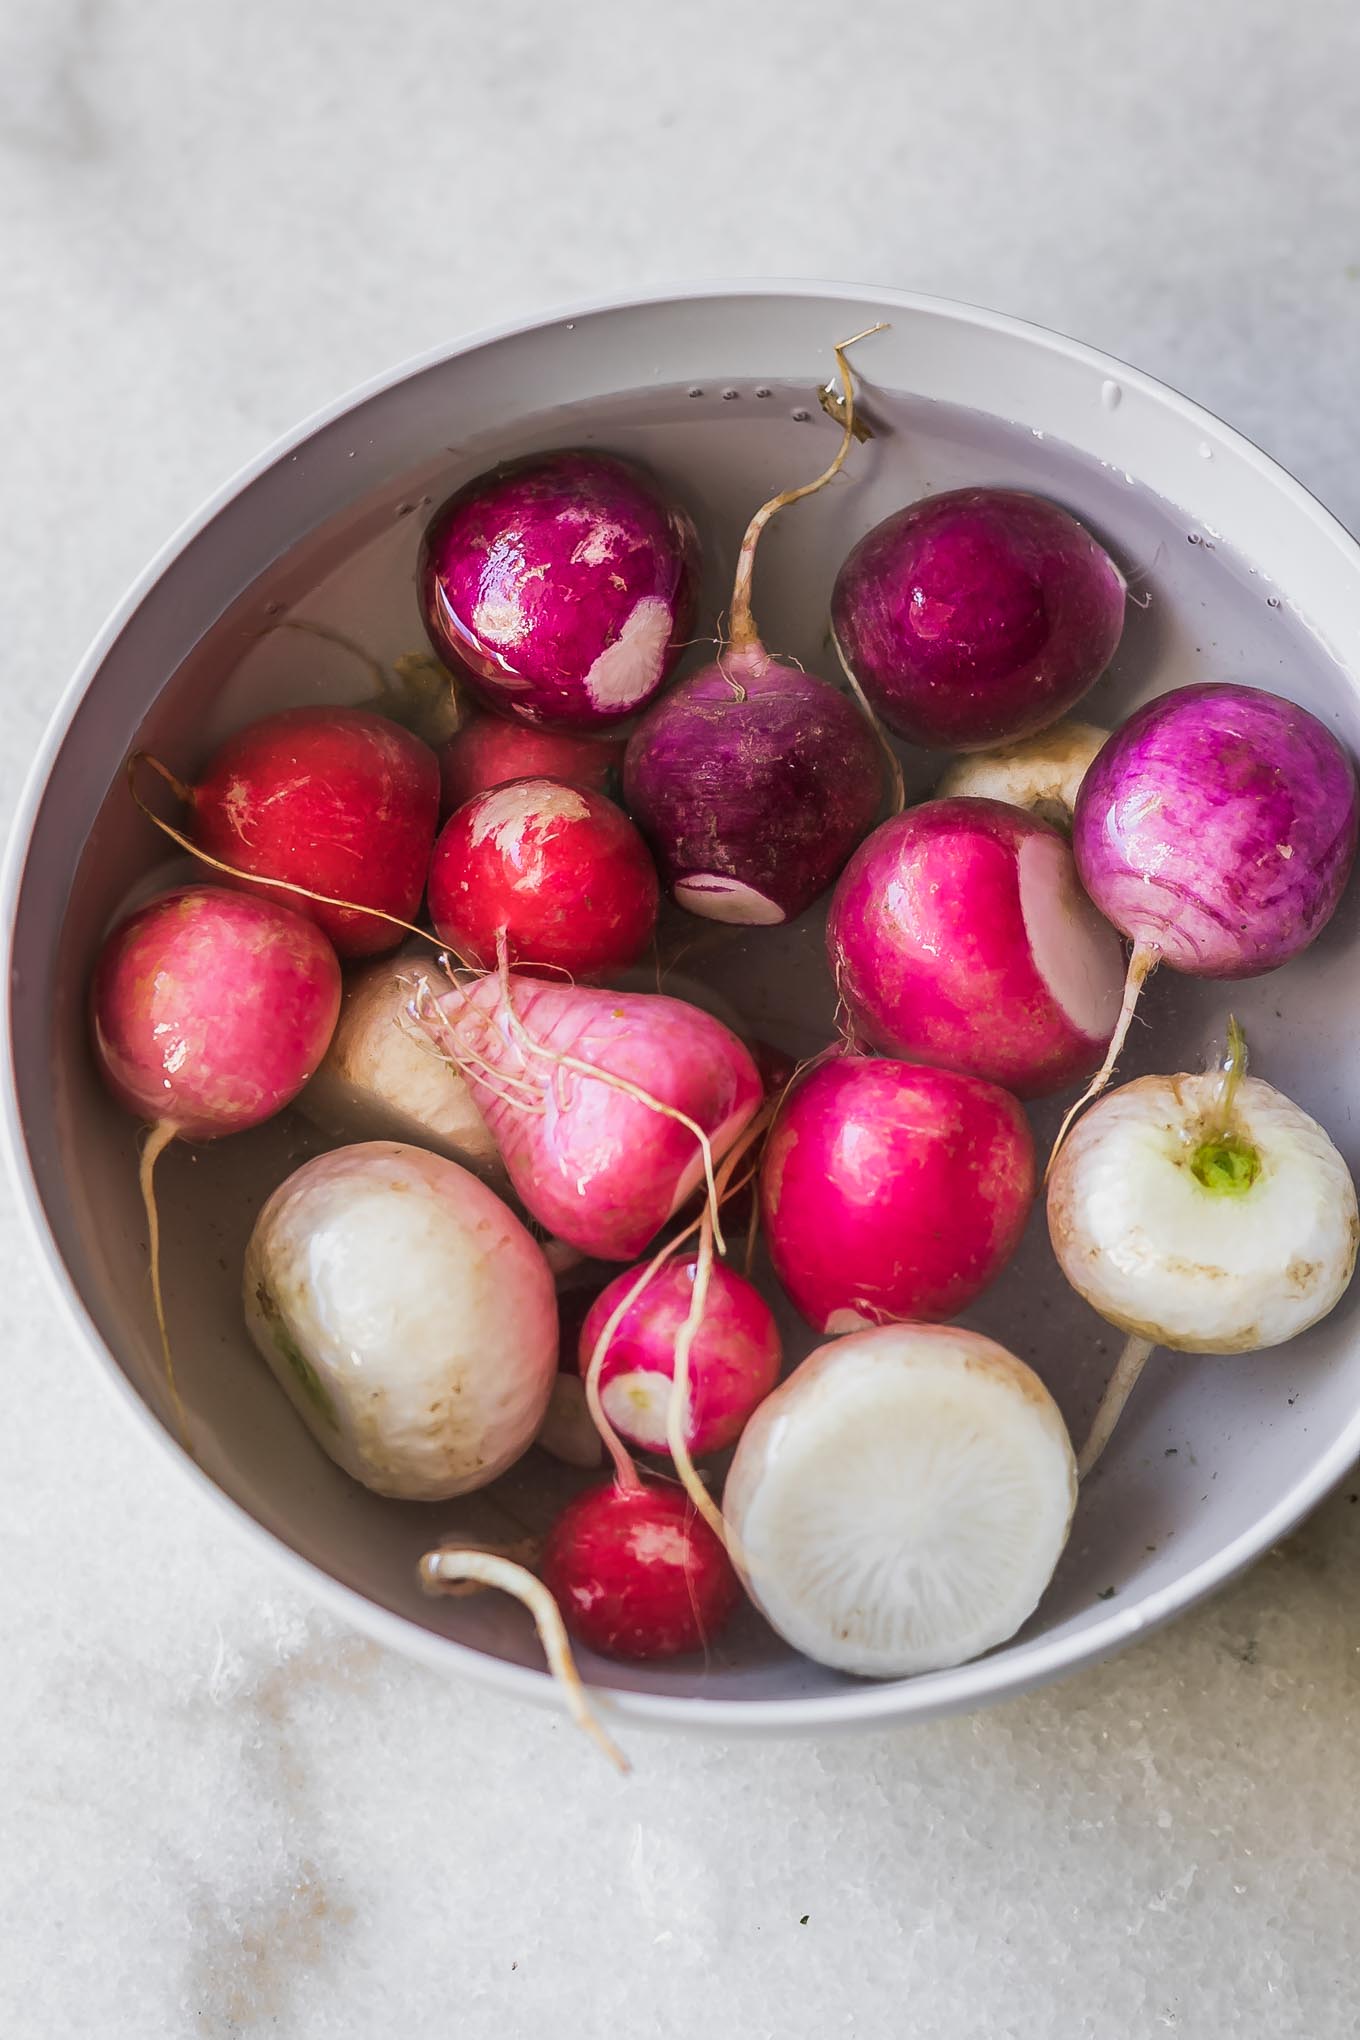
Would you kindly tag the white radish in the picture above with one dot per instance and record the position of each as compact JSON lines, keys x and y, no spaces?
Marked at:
{"x":407,"y":1314}
{"x":1042,"y":773}
{"x":900,"y":1503}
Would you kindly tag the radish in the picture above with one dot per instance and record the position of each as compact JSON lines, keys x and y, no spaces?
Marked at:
{"x":1205,"y":1213}
{"x":407,"y":1315}
{"x":337,"y":804}
{"x":382,"y":1080}
{"x":608,"y":1107}
{"x":557,"y":871}
{"x":960,"y":935}
{"x":562,"y":586}
{"x":975,"y":617}
{"x":1042,"y":774}
{"x":1217,"y":830}
{"x":734,"y":1358}
{"x":568,"y":1430}
{"x":637,"y":1574}
{"x":890,"y":1190}
{"x":900,"y":1503}
{"x":753,"y":780}
{"x":486,"y":752}
{"x":209,"y":1010}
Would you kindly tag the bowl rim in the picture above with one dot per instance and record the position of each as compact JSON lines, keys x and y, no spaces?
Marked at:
{"x":983,"y":1680}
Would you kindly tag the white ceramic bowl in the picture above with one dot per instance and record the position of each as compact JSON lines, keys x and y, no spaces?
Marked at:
{"x":1247,"y":577}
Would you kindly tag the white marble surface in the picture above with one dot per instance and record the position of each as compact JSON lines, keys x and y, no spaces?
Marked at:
{"x":221,"y":1814}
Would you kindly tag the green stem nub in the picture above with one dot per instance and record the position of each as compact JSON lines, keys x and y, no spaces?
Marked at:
{"x":1225,"y":1165}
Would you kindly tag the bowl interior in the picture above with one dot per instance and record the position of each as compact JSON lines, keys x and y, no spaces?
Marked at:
{"x":1234,"y":574}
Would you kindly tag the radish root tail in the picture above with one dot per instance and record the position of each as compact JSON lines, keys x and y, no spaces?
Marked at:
{"x":442,"y":1571}
{"x":1118,"y":1389}
{"x":897,"y":791}
{"x":677,"y":1403}
{"x":1141,"y":965}
{"x":157,"y":1141}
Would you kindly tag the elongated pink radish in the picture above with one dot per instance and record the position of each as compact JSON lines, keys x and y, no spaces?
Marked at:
{"x":637,"y":1574}
{"x":487,"y":751}
{"x":959,"y":934}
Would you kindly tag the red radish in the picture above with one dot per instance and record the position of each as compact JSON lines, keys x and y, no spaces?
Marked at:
{"x":976,"y":617}
{"x":734,"y":1359}
{"x":486,"y":752}
{"x":608,"y":1107}
{"x":959,"y":934}
{"x":336,"y":801}
{"x":637,"y":1574}
{"x":558,"y":872}
{"x":562,"y":585}
{"x":891,"y":1190}
{"x":752,"y":779}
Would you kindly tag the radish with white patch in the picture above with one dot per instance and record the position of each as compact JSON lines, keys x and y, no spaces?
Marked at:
{"x":562,"y":586}
{"x":1205,"y":1213}
{"x":1041,"y":774}
{"x":638,"y":1574}
{"x":558,"y":872}
{"x":734,"y":1356}
{"x":959,"y":934}
{"x":976,"y":617}
{"x":900,"y":1503}
{"x":408,"y":1316}
{"x":753,"y":780}
{"x":487,"y":751}
{"x":892,"y":1190}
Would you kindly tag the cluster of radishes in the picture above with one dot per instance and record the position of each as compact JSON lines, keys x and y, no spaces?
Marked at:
{"x":438,"y":1293}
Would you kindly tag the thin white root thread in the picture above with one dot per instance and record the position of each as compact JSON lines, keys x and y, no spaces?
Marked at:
{"x":678,"y":1400}
{"x":1141,"y":965}
{"x":1118,"y":1389}
{"x":441,"y":1569}
{"x":157,"y":1141}
{"x":897,"y":790}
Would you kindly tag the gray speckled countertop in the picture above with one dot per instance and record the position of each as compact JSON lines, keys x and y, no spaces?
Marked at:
{"x":220,"y":1813}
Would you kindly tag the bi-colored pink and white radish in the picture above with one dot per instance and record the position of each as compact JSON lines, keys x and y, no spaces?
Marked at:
{"x":557,"y":873}
{"x":959,"y":934}
{"x":892,"y":1190}
{"x":900,"y":1503}
{"x":486,"y":751}
{"x":408,"y":1316}
{"x":975,"y":617}
{"x":1041,"y":774}
{"x":637,"y":1574}
{"x":562,"y":586}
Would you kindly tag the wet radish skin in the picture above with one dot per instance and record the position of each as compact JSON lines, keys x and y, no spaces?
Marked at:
{"x":339,"y":800}
{"x":487,"y":751}
{"x":892,"y":1191}
{"x":934,"y":955}
{"x":558,"y":870}
{"x":1218,"y":828}
{"x":637,"y":1574}
{"x":977,"y":616}
{"x":562,"y":586}
{"x":211,"y":1009}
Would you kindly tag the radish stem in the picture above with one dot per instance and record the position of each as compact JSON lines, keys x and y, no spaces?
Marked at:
{"x":157,"y":1141}
{"x":1118,"y":1389}
{"x":1142,"y":963}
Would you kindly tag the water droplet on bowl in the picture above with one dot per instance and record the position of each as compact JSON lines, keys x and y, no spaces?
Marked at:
{"x":800,"y":417}
{"x":696,"y":391}
{"x":1206,"y":452}
{"x":763,"y":391}
{"x":1110,"y":394}
{"x":1272,"y":602}
{"x":729,"y":395}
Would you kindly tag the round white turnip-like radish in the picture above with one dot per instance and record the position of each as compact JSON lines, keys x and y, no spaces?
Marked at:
{"x":976,"y":617}
{"x":381,"y":1078}
{"x":959,"y":934}
{"x":893,"y":1190}
{"x":1042,"y":774}
{"x":734,"y":1357}
{"x":486,"y":751}
{"x":900,"y":1503}
{"x":562,"y":586}
{"x":408,"y":1316}
{"x":556,"y":872}
{"x":637,"y":1574}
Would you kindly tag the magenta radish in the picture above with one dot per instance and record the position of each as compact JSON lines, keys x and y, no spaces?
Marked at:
{"x":637,"y":1574}
{"x":1041,"y":774}
{"x":609,"y":1108}
{"x":959,"y":934}
{"x":892,"y":1190}
{"x":975,"y":617}
{"x":901,"y":1502}
{"x":407,"y":1315}
{"x":487,"y":751}
{"x":562,"y":586}
{"x":557,"y":871}
{"x":752,"y":779}
{"x":734,"y":1357}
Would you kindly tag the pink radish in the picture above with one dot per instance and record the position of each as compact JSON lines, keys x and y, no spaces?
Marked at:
{"x":333,"y":801}
{"x":891,"y":1190}
{"x":734,"y":1358}
{"x":486,"y":752}
{"x":959,"y":934}
{"x":559,"y":872}
{"x":976,"y":617}
{"x":609,"y":1108}
{"x":637,"y":1574}
{"x":562,"y":586}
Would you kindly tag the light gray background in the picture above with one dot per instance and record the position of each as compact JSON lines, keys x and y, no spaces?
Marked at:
{"x":220,"y":1814}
